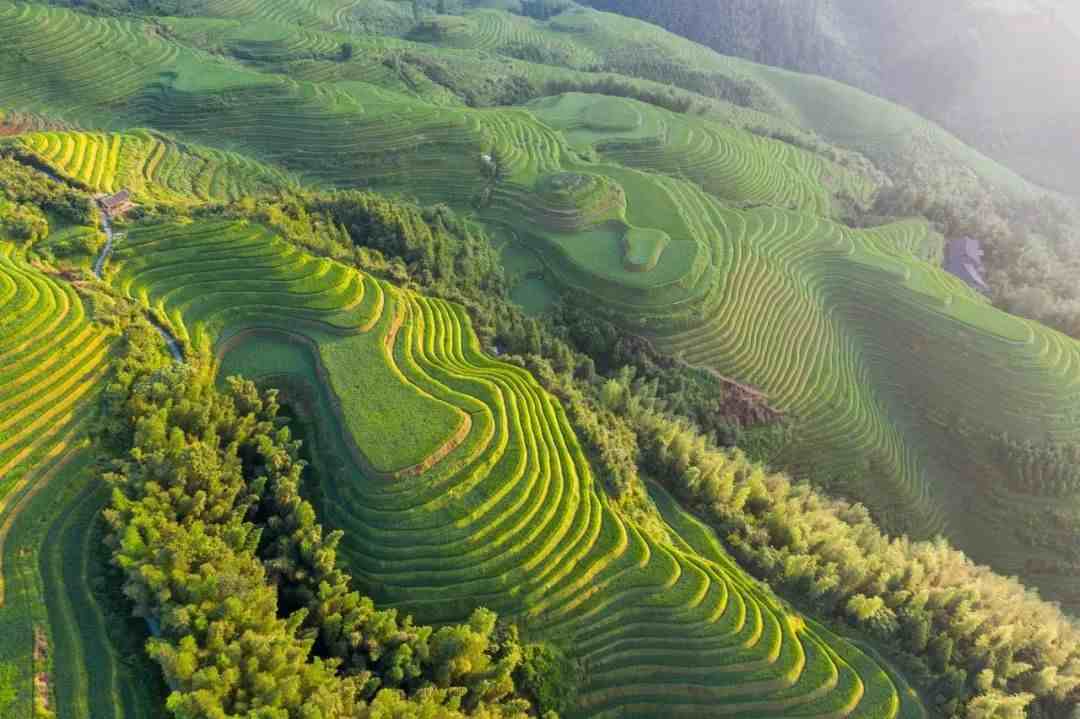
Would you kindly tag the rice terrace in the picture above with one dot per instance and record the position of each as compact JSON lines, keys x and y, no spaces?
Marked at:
{"x":521,"y":358}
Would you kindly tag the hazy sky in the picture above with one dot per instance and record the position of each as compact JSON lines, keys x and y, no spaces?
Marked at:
{"x":1069,"y":10}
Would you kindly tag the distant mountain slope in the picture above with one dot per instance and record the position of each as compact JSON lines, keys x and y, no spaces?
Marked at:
{"x":995,"y":72}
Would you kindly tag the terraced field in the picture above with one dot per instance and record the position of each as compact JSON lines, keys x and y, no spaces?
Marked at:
{"x":729,"y":164}
{"x":223,"y":279}
{"x":71,"y":66}
{"x":222,"y":274}
{"x":53,"y":360}
{"x":777,"y":331}
{"x":456,"y":478}
{"x":330,"y":137}
{"x":152,"y":166}
{"x":60,"y":59}
{"x":54,"y":363}
{"x":258,"y":41}
{"x":309,"y":14}
{"x":507,"y":34}
{"x":347,"y":133}
{"x":508,"y":516}
{"x":528,"y":533}
{"x":777,"y":297}
{"x":584,"y":38}
{"x":837,"y":326}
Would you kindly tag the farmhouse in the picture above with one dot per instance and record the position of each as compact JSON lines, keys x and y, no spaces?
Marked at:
{"x":116,"y":204}
{"x":963,"y":258}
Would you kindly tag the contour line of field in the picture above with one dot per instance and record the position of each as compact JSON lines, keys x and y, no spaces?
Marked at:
{"x":336,"y":406}
{"x":66,"y":453}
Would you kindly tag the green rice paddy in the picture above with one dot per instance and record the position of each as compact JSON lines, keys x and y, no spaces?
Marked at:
{"x":151,"y":166}
{"x":757,"y":281}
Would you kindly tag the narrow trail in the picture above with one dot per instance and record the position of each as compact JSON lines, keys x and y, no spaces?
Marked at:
{"x":174,"y":346}
{"x":99,"y":263}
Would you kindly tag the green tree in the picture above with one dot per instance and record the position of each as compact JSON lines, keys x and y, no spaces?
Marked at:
{"x":9,"y":676}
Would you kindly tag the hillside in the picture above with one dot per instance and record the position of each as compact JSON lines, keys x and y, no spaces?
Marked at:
{"x":151,"y":166}
{"x":591,"y":372}
{"x":56,"y":364}
{"x":526,"y":531}
{"x":987,"y":71}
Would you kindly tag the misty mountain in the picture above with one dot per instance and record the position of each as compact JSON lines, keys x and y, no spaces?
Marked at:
{"x":999,"y":73}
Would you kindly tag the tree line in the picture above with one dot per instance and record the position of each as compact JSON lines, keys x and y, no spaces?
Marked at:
{"x":1040,"y":468}
{"x":984,"y":645}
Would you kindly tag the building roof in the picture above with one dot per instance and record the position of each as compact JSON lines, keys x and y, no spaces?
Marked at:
{"x":963,"y":258}
{"x":974,"y":276}
{"x":966,"y":248}
{"x":113,"y":201}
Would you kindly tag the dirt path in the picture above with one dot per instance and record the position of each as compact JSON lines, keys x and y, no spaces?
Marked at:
{"x":99,"y":263}
{"x":174,"y":346}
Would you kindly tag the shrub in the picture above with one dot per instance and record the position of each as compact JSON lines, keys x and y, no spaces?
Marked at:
{"x":548,"y":677}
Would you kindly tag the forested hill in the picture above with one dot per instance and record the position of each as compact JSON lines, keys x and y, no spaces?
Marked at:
{"x":995,"y":72}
